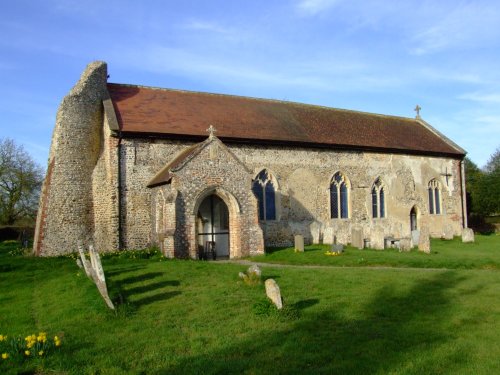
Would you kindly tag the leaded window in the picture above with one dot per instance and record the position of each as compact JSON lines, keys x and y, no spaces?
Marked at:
{"x":264,"y":189}
{"x":434,"y":190}
{"x":339,"y":197}
{"x":378,"y":199}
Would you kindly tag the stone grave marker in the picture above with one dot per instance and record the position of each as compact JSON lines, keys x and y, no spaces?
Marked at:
{"x":94,"y":270}
{"x":299,"y":243}
{"x":467,"y":235}
{"x":273,"y":293}
{"x":357,"y":239}
{"x":405,"y":244}
{"x":377,"y":239}
{"x":415,"y":237}
{"x":448,"y":232}
{"x":424,"y":243}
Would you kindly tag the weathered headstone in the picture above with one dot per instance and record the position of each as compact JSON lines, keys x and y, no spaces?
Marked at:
{"x":273,"y":293}
{"x":424,"y":243}
{"x":415,"y":237}
{"x":467,"y":235}
{"x":94,"y":270}
{"x":405,"y":244}
{"x":357,"y":239}
{"x":316,"y":233}
{"x":254,"y":271}
{"x":299,"y":243}
{"x":448,"y":232}
{"x":337,"y":248}
{"x":377,"y":239}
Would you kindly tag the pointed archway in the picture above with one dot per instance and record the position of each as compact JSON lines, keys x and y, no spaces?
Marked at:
{"x":212,"y":228}
{"x":413,"y":219}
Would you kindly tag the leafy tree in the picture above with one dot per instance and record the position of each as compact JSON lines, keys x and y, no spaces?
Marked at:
{"x":20,"y":181}
{"x":473,"y":177}
{"x":489,"y":186}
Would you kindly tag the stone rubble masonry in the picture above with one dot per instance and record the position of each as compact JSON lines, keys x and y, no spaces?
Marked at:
{"x":68,"y":213}
{"x":80,"y":197}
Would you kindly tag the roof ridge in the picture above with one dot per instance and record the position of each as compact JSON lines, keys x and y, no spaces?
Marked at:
{"x":264,"y":100}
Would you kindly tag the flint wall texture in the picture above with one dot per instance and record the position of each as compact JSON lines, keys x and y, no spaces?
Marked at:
{"x":68,"y":210}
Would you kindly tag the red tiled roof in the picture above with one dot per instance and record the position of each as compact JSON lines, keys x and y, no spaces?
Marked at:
{"x":183,"y":113}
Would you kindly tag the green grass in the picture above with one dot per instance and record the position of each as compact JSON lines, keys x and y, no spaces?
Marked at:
{"x":484,"y":253}
{"x":189,"y":317}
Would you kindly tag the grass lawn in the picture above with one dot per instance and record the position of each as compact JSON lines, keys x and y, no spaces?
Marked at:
{"x":193,"y":317}
{"x":482,"y":254}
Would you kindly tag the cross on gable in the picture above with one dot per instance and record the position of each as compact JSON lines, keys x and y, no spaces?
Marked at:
{"x":417,"y":109}
{"x":446,"y":174}
{"x":211,"y":131}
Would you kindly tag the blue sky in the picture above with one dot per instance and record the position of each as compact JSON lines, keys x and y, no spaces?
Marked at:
{"x":368,"y":55}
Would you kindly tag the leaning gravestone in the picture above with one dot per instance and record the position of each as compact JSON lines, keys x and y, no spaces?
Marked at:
{"x":424,"y":243}
{"x":94,"y":270}
{"x":299,"y":243}
{"x":273,"y":293}
{"x":467,"y":235}
{"x":337,"y":248}
{"x":448,"y":232}
{"x":357,"y":239}
{"x":254,"y":271}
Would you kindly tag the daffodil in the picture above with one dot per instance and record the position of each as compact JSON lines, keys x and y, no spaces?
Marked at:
{"x":3,"y":338}
{"x":5,"y":355}
{"x":40,"y":353}
{"x":27,"y":352}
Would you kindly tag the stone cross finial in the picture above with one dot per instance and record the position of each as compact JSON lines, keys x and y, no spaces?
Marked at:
{"x":417,"y":109}
{"x":211,"y":131}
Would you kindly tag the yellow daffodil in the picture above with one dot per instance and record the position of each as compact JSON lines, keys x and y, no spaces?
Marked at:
{"x":5,"y":355}
{"x":40,"y":353}
{"x":57,"y":343}
{"x":27,"y":352}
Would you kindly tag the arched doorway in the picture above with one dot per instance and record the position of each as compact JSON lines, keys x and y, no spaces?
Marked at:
{"x":212,"y":227}
{"x":413,"y":219}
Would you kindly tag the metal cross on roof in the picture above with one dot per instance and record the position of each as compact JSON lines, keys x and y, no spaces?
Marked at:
{"x":211,"y":131}
{"x":417,"y":109}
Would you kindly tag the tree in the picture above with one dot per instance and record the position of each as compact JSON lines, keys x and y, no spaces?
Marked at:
{"x":20,"y":181}
{"x":473,"y":176}
{"x":489,"y":186}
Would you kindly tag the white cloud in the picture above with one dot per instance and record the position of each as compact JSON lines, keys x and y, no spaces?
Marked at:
{"x":467,"y":25}
{"x":313,"y":7}
{"x":481,"y":97}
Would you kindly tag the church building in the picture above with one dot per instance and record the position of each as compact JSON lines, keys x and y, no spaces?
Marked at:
{"x":225,"y":176}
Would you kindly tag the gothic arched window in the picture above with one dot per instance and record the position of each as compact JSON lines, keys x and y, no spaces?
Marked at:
{"x":264,"y":189}
{"x":434,"y":190}
{"x":339,"y":197}
{"x":378,"y":199}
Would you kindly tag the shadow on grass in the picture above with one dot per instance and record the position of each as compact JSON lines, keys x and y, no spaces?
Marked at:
{"x":155,"y":298}
{"x":119,"y":271}
{"x":394,"y":333}
{"x":304,"y":304}
{"x":141,"y":277}
{"x":150,"y":287}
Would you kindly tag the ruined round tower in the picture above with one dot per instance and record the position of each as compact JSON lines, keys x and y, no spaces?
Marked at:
{"x":65,"y":214}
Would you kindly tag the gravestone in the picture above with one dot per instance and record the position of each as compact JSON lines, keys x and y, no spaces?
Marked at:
{"x":316,"y":234}
{"x":94,"y":270}
{"x":254,"y":271}
{"x":405,"y":244}
{"x":337,"y":248}
{"x":424,"y":243}
{"x":377,"y":239}
{"x":299,"y":243}
{"x":357,"y":239}
{"x":448,"y":232}
{"x":273,"y":293}
{"x":415,"y":237}
{"x":467,"y":235}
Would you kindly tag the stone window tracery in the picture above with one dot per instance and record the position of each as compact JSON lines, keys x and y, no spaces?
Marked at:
{"x":434,"y":190}
{"x":339,"y":197}
{"x":263,"y":186}
{"x":378,"y":199}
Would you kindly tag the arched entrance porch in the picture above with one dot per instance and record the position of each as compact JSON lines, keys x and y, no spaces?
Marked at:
{"x":216,"y":224}
{"x":212,"y":228}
